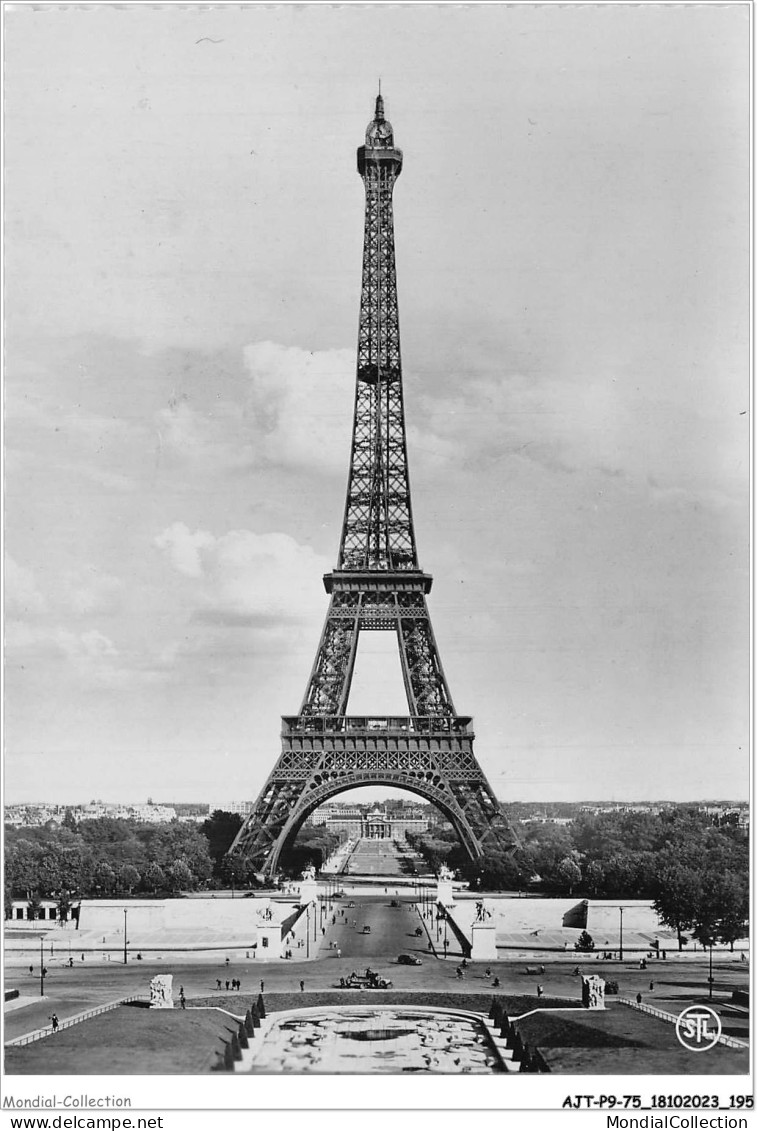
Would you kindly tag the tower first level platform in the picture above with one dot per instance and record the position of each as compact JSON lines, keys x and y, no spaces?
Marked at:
{"x":324,"y":756}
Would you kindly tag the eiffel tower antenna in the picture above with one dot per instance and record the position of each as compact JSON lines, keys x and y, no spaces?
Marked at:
{"x":377,"y":585}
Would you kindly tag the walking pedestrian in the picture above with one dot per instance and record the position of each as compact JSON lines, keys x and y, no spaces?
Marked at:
{"x":31,"y":969}
{"x":540,"y":991}
{"x":338,"y":953}
{"x":54,"y":1021}
{"x":651,"y":985}
{"x":638,"y":999}
{"x":227,"y":983}
{"x":218,"y":983}
{"x":302,"y":986}
{"x":182,"y":1000}
{"x":262,"y":986}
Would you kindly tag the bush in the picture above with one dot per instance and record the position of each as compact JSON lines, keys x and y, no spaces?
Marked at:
{"x":611,"y":987}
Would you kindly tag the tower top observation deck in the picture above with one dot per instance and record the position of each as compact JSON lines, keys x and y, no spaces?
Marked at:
{"x":379,"y":143}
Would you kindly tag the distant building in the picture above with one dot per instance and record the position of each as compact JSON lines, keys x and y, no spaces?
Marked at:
{"x":373,"y":823}
{"x":243,"y":808}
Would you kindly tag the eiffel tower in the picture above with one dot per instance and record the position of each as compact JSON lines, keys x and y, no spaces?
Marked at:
{"x":376,"y":586}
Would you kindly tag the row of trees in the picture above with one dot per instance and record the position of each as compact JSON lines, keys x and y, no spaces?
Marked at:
{"x":696,"y":873}
{"x":107,"y":857}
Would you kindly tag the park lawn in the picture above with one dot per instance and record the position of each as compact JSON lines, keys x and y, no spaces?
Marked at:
{"x":622,"y":1041}
{"x":129,"y":1041}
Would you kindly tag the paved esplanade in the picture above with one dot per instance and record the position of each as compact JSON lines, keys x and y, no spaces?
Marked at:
{"x":381,"y":858}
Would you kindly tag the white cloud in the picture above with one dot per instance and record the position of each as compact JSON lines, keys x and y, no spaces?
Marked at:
{"x":22,"y":597}
{"x":184,"y":548}
{"x":86,"y":647}
{"x":302,"y":401}
{"x":246,"y":578}
{"x":93,"y":591}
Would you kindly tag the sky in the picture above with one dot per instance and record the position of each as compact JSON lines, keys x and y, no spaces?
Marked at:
{"x":183,"y":252}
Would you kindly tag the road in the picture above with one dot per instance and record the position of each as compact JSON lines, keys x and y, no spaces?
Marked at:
{"x":391,"y":930}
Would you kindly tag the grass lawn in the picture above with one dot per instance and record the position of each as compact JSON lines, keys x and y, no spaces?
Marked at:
{"x":128,"y":1041}
{"x":622,"y":1041}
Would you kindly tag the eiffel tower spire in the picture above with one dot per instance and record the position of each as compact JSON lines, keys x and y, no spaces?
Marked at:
{"x":377,"y":586}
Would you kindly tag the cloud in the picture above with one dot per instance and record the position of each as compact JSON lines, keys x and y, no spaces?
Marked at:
{"x":93,"y":592}
{"x":184,"y":546}
{"x":301,"y":401}
{"x":22,"y":597}
{"x":86,"y":647}
{"x":245,"y":578}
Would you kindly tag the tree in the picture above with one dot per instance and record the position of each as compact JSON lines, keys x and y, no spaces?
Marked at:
{"x":584,"y":941}
{"x":69,"y":821}
{"x":104,"y":878}
{"x":63,"y":904}
{"x":33,"y":905}
{"x":678,"y":892}
{"x":697,"y":895}
{"x":128,"y":877}
{"x":732,"y":907}
{"x":219,"y":830}
{"x":169,"y":843}
{"x":154,"y":878}
{"x":179,"y":876}
{"x":22,"y":867}
{"x":569,"y":872}
{"x":595,"y":877}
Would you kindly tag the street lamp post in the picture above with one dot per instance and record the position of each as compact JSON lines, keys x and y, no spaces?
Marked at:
{"x":126,"y":912}
{"x":621,"y":933}
{"x":307,"y":932}
{"x":41,"y":965}
{"x":709,"y":980}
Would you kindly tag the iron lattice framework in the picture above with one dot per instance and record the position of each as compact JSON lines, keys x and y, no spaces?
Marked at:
{"x":377,"y":585}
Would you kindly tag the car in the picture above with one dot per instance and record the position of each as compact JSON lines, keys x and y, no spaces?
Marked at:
{"x":409,"y":960}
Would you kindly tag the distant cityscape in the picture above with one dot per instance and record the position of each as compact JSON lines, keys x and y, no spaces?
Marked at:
{"x":354,"y":819}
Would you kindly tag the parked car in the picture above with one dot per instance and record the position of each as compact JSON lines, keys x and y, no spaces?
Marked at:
{"x":409,"y":960}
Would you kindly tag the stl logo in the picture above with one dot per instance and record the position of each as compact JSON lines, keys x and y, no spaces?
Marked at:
{"x":698,"y":1028}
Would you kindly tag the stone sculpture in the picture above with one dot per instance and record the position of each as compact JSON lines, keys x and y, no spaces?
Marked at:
{"x":161,"y":992}
{"x":593,"y":992}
